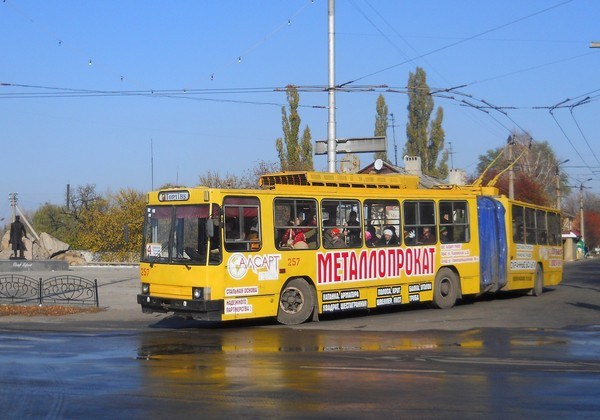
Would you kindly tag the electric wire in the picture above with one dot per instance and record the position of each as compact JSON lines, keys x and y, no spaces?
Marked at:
{"x":462,"y":41}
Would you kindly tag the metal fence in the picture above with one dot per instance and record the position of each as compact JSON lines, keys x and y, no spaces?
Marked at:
{"x":20,"y":289}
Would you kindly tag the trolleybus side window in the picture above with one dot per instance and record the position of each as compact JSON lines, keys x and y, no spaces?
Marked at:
{"x":518,"y":225}
{"x":542,"y":229}
{"x":341,"y":223}
{"x":379,"y":216}
{"x":530,"y":229}
{"x":454,"y":222}
{"x":554,"y":231}
{"x":419,"y":222}
{"x":242,"y":224}
{"x":296,"y":224}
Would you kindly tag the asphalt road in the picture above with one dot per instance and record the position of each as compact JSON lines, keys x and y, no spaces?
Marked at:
{"x":511,"y":356}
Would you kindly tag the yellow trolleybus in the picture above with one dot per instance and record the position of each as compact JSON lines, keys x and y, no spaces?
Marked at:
{"x":310,"y":243}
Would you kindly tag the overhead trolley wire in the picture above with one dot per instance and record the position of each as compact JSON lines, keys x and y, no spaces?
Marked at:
{"x":462,"y":41}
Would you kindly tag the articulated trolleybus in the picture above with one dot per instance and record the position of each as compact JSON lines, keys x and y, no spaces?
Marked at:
{"x":312,"y":243}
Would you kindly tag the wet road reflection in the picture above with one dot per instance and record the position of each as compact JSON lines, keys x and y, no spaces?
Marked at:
{"x":285,"y":373}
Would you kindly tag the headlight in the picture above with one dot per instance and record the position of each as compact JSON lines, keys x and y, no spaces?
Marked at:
{"x":201,"y":293}
{"x":145,"y":288}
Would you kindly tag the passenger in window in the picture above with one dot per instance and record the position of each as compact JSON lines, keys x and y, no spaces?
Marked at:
{"x":368,"y":239}
{"x":518,"y":234}
{"x":331,"y":239}
{"x":410,"y":237}
{"x":445,"y":219}
{"x":353,"y":231}
{"x":352,"y":219}
{"x":287,"y":240}
{"x":426,"y":236}
{"x":389,"y":237}
{"x":371,"y":237}
{"x":310,"y":230}
{"x":300,"y":241}
{"x":253,"y":234}
{"x":444,"y":235}
{"x":230,"y":229}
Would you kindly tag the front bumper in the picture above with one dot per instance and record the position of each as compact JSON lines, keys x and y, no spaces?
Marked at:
{"x":210,"y":310}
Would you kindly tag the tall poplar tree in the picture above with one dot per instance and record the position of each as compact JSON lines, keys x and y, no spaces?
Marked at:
{"x":423,"y":139}
{"x":294,"y":155}
{"x":381,"y":125}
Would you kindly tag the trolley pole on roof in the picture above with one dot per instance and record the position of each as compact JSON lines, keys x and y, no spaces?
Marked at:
{"x":331,"y":141}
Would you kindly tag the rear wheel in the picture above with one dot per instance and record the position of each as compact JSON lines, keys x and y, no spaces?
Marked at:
{"x":538,"y":282}
{"x":296,"y":302}
{"x":445,"y":289}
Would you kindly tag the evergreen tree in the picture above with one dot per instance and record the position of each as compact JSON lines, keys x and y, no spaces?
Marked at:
{"x":423,"y":139}
{"x":294,"y":155}
{"x":436,"y":144}
{"x":306,"y":151}
{"x":381,"y":125}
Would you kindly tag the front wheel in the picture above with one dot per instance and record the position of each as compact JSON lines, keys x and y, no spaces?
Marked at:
{"x":296,"y":302}
{"x":445,"y":289}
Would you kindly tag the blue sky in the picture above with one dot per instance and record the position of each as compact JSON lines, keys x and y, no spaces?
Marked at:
{"x":202,"y":79}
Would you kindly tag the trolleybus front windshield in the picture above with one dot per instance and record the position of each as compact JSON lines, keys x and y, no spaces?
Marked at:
{"x":180,"y":235}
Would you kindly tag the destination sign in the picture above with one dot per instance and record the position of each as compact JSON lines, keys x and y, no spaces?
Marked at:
{"x":173,"y":196}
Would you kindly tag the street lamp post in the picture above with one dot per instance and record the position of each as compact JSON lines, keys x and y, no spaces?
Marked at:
{"x":581,"y":209}
{"x":558,"y":183}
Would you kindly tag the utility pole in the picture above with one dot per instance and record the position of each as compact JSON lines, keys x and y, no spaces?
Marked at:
{"x":13,"y":204}
{"x":581,"y":209}
{"x":511,"y":174}
{"x":451,"y":153}
{"x":558,"y":183}
{"x":331,"y":140}
{"x":394,"y":136}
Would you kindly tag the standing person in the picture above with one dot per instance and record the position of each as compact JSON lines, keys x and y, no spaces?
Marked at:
{"x":17,"y":231}
{"x":352,"y":231}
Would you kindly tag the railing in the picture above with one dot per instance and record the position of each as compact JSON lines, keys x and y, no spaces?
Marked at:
{"x":19,"y":289}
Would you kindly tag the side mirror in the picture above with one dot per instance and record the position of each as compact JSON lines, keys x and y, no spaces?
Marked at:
{"x":210,"y":228}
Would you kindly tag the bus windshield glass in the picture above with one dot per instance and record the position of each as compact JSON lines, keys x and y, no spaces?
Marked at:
{"x":179,"y":235}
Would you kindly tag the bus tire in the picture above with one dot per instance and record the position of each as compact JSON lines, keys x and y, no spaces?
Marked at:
{"x":445,"y":289}
{"x":296,"y":302}
{"x":538,"y":282}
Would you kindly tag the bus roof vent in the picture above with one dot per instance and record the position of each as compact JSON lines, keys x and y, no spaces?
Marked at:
{"x":327,"y":179}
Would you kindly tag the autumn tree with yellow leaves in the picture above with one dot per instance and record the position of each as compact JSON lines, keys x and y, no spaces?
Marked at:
{"x":109,"y":225}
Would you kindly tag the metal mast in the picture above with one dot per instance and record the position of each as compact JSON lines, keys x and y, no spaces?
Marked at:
{"x":331,"y":143}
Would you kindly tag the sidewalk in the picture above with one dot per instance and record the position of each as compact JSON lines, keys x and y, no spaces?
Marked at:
{"x":117,"y":290}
